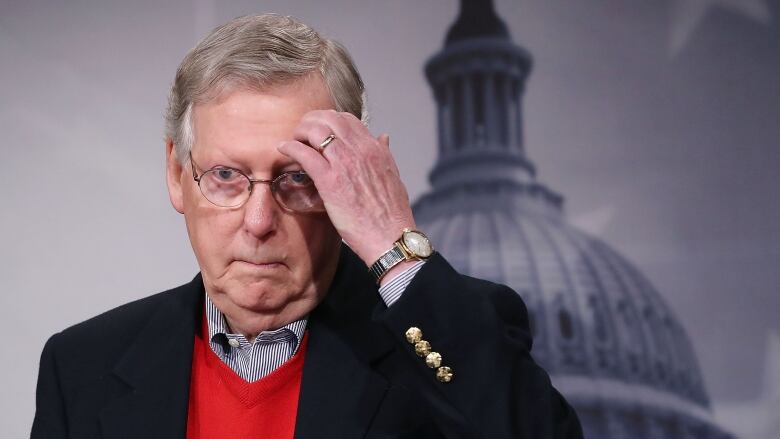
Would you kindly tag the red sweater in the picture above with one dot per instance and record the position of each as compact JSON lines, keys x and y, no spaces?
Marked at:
{"x":223,"y":405}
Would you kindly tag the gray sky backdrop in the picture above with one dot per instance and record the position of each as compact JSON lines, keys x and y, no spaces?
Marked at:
{"x":657,"y":120}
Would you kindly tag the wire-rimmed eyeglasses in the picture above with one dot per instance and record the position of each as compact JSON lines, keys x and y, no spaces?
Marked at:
{"x":229,"y":187}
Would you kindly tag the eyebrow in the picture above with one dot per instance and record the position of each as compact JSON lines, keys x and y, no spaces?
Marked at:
{"x":284,"y":164}
{"x":277,"y":169}
{"x":222,"y":162}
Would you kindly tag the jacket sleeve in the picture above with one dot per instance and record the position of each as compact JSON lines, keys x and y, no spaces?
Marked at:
{"x":49,"y":421}
{"x":482,"y":333}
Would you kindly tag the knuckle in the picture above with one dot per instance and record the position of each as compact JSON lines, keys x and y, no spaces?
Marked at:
{"x":309,"y":118}
{"x":350,"y":117}
{"x":330,"y":114}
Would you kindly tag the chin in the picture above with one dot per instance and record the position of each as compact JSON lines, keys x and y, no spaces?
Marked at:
{"x":261,"y":294}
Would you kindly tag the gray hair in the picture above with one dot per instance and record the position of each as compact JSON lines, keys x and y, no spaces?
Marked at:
{"x":256,"y":52}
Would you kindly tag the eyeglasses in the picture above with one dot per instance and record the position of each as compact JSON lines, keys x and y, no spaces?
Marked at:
{"x":228,"y":187}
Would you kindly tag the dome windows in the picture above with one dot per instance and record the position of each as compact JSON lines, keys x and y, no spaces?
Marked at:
{"x":565,"y":324}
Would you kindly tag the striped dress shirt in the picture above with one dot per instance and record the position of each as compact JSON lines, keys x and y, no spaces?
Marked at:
{"x":270,"y":349}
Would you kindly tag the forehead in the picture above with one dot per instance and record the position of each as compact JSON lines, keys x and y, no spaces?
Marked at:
{"x":245,"y":123}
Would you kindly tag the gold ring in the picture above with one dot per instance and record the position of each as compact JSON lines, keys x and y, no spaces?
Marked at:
{"x":327,"y":141}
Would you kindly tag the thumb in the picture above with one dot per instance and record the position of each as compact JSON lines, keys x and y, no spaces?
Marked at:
{"x":384,"y":139}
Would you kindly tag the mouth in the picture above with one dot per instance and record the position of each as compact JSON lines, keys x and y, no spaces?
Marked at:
{"x":263,"y":265}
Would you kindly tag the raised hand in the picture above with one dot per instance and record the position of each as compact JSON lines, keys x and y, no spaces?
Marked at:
{"x":357,"y":179}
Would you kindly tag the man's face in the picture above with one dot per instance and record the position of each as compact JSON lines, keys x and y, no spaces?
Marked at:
{"x":258,"y":259}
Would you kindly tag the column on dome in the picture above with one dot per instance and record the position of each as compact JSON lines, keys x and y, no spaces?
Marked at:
{"x":468,"y":112}
{"x":502,"y":139}
{"x":442,"y":113}
{"x":510,"y":109}
{"x":478,"y":99}
{"x":449,"y":121}
{"x":518,"y":104}
{"x":492,"y":136}
{"x":458,"y":131}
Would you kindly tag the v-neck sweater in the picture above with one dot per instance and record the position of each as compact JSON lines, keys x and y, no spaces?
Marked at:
{"x":224,"y":405}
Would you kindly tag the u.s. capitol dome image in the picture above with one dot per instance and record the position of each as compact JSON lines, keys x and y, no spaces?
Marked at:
{"x":610,"y":342}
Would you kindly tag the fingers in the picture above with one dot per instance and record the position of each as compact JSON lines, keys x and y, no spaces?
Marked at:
{"x":317,"y":125}
{"x":352,"y":136}
{"x":353,"y":145}
{"x":311,"y":160}
{"x":312,"y":133}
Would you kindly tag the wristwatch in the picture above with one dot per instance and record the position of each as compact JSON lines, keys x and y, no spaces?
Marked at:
{"x":412,"y":245}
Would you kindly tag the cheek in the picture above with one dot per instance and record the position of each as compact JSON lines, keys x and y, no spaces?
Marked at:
{"x":211,"y":231}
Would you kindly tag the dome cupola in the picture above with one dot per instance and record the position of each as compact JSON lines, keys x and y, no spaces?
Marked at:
{"x":478,"y":81}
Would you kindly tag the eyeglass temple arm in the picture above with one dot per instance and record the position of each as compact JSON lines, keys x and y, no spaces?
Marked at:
{"x":192,"y":165}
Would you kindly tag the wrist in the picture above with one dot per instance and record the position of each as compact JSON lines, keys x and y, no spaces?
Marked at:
{"x":411,"y":246}
{"x":370,"y":253}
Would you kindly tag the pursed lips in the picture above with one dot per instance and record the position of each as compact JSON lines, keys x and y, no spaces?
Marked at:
{"x":262,"y":263}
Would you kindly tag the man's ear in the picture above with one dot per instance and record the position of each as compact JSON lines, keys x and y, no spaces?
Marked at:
{"x":173,"y":176}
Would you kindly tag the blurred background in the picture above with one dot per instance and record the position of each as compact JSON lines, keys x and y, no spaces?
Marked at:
{"x":637,"y":145}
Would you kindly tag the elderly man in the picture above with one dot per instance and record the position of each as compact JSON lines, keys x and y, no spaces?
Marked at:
{"x":320,"y":310}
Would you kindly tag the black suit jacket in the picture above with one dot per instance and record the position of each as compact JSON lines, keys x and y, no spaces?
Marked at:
{"x":126,"y":373}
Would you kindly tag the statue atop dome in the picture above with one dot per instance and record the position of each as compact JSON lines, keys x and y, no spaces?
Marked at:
{"x":477,"y":19}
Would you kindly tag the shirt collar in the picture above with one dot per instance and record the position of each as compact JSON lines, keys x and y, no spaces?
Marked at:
{"x":218,"y":328}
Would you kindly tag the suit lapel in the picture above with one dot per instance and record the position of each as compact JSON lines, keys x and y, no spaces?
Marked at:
{"x":340,"y":393}
{"x":157,"y":367}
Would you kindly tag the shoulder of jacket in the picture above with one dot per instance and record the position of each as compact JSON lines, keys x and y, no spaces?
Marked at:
{"x":122,"y":323}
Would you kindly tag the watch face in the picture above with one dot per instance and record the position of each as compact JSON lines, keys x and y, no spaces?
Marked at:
{"x":418,"y":244}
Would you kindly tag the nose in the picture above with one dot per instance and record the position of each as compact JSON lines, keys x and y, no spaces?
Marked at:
{"x":261,"y":212}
